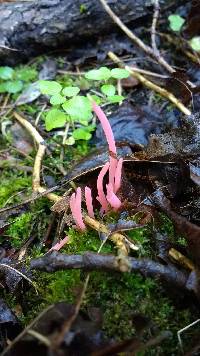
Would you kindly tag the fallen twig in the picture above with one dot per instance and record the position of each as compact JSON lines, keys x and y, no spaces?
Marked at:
{"x":153,"y":27}
{"x":147,"y":49}
{"x":38,"y":158}
{"x":146,"y":82}
{"x":55,"y":261}
{"x":120,"y":241}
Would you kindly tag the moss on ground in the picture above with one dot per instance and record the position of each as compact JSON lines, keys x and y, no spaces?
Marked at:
{"x":119,"y":296}
{"x":11,"y":186}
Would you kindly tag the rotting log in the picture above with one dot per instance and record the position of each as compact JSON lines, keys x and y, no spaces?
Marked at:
{"x":32,"y":27}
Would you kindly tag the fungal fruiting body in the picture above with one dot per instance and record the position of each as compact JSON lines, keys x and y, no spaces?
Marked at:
{"x":101,"y":195}
{"x":114,"y":201}
{"x":118,"y":175}
{"x":113,"y":167}
{"x":60,"y":244}
{"x":75,"y":206}
{"x":88,"y":200}
{"x":110,"y":140}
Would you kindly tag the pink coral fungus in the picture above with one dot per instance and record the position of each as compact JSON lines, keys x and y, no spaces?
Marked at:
{"x":101,"y":195}
{"x":114,"y":201}
{"x":88,"y":200}
{"x":60,"y":244}
{"x":110,"y":139}
{"x":75,"y":206}
{"x":115,"y":172}
{"x":118,"y":175}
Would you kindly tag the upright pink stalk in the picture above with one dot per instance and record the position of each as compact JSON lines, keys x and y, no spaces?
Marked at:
{"x":72,"y":204}
{"x":101,"y":196}
{"x":75,"y":205}
{"x":110,"y":139}
{"x":88,"y":200}
{"x":112,"y":170}
{"x":112,"y":198}
{"x":118,"y":175}
{"x":106,"y":127}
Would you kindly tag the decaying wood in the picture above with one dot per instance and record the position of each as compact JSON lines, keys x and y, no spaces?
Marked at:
{"x":33,"y":27}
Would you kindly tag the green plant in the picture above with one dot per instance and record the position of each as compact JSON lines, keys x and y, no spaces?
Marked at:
{"x":83,"y":9}
{"x":13,"y":80}
{"x":176,"y":22}
{"x":195,"y":43}
{"x":70,"y":107}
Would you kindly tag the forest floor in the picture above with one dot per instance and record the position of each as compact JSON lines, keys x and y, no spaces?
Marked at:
{"x":120,"y":310}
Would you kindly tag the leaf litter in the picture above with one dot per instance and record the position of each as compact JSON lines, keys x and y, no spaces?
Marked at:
{"x":160,"y":174}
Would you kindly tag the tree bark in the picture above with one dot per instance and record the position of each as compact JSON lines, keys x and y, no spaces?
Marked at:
{"x":35,"y":27}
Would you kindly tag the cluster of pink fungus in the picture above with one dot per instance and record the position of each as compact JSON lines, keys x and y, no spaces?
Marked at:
{"x":108,"y":200}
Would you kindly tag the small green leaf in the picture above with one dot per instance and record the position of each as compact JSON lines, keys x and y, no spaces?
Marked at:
{"x":92,"y":74}
{"x":108,"y":89}
{"x":49,"y":87}
{"x":70,"y":91}
{"x":6,"y":73}
{"x":14,"y":86}
{"x":176,"y":22}
{"x":97,"y":99}
{"x":81,"y":134}
{"x":83,"y":83}
{"x":3,"y":88}
{"x":70,"y":141}
{"x":26,"y":74}
{"x":195,"y":43}
{"x":103,"y":73}
{"x":119,"y":73}
{"x":57,"y":99}
{"x":55,"y":118}
{"x":116,"y":98}
{"x":79,"y":108}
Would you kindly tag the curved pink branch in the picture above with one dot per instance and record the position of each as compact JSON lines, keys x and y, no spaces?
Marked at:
{"x":106,"y":127}
{"x":101,"y":195}
{"x":110,"y":139}
{"x":112,"y":198}
{"x":78,"y":211}
{"x":75,"y":206}
{"x":118,"y":175}
{"x":88,"y":200}
{"x":60,"y":244}
{"x":112,"y":170}
{"x":72,"y":204}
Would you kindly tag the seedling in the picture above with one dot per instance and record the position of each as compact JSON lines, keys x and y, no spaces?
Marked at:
{"x":70,"y":106}
{"x":13,"y":81}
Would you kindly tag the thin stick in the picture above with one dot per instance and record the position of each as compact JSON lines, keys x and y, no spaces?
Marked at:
{"x":88,"y":261}
{"x":147,"y":49}
{"x":38,"y":158}
{"x":163,"y":92}
{"x":33,"y":132}
{"x":37,"y":167}
{"x":39,"y":114}
{"x":43,"y":339}
{"x":153,"y":27}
